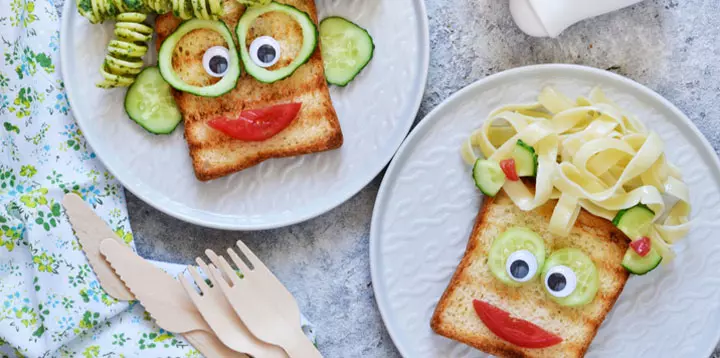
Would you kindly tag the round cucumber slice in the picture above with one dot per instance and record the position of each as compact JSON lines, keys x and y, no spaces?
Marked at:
{"x":150,"y":103}
{"x":225,"y":85}
{"x":346,"y":49}
{"x":309,"y":32}
{"x":514,"y":240}
{"x":586,"y":280}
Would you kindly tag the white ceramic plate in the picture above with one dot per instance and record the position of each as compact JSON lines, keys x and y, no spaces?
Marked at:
{"x":376,"y":112}
{"x":427,"y":205}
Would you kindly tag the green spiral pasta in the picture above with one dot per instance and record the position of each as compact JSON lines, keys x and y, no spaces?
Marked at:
{"x":200,"y":9}
{"x":254,"y":2}
{"x":124,"y":58}
{"x":100,"y":10}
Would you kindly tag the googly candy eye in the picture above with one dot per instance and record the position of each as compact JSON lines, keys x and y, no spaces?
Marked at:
{"x":516,"y":256}
{"x":560,"y":281}
{"x":265,"y":51}
{"x":216,"y":61}
{"x":570,"y":277}
{"x":521,"y":266}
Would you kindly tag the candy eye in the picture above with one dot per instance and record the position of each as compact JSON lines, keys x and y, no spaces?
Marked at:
{"x":560,"y":281}
{"x":570,"y":277}
{"x":216,"y":61}
{"x":516,"y":255}
{"x":521,"y":266}
{"x":265,"y":51}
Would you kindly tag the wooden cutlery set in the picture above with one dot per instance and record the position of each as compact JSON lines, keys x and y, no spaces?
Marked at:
{"x":227,"y":313}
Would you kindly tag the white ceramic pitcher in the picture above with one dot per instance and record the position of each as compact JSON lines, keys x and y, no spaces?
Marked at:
{"x":542,"y":18}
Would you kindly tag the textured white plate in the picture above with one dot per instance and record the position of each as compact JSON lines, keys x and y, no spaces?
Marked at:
{"x":375,"y":111}
{"x":427,"y":204}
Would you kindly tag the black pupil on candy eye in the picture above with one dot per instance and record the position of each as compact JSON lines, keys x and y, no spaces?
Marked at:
{"x":266,"y":53}
{"x":519,"y":269}
{"x":556,"y":282}
{"x":218,"y":64}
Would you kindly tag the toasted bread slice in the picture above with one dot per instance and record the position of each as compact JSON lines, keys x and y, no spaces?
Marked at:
{"x":455,"y":317}
{"x":213,"y":153}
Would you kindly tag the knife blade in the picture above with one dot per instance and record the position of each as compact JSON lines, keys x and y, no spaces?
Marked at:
{"x":90,"y":230}
{"x":176,"y":314}
{"x":161,"y":295}
{"x":172,"y":312}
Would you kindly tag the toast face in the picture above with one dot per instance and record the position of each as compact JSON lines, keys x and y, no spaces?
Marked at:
{"x":215,"y":154}
{"x":455,"y":318}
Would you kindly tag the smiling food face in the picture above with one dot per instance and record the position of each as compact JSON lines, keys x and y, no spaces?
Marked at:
{"x":530,"y":293}
{"x":275,"y":36}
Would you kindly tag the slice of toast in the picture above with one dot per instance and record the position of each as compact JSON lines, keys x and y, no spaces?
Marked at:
{"x":455,"y":317}
{"x":213,"y":153}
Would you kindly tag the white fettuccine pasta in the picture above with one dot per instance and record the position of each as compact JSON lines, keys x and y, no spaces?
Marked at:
{"x":592,"y":155}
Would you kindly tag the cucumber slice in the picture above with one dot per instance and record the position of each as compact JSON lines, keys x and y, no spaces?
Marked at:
{"x":150,"y":103}
{"x":225,"y":85}
{"x":526,"y":161}
{"x":587,"y":281}
{"x":309,"y":32}
{"x":641,"y":265}
{"x":513,"y":240}
{"x":346,"y":49}
{"x":488,"y":176}
{"x":635,"y":221}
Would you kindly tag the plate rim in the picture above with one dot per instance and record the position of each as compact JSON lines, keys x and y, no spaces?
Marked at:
{"x":421,"y":128}
{"x":344,"y":194}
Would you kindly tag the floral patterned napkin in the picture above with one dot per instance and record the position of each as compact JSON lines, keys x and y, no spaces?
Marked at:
{"x":51,"y":304}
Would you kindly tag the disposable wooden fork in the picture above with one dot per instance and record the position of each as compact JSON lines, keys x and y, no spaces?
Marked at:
{"x":221,"y":317}
{"x":266,"y":307}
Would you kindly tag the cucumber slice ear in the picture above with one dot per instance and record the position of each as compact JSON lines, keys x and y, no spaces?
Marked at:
{"x":488,"y":176}
{"x":346,"y":49}
{"x":149,"y":102}
{"x":635,"y":221}
{"x":640,"y":265}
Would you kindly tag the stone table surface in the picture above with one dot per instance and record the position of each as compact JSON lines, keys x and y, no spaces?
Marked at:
{"x":671,"y":46}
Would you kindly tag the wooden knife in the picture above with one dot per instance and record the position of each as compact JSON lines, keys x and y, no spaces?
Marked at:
{"x":163,"y":297}
{"x":90,"y":230}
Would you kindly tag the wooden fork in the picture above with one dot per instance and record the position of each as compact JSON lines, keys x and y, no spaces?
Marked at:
{"x":221,"y":317}
{"x":266,"y":307}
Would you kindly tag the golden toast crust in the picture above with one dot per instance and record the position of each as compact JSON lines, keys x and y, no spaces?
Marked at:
{"x":315,"y":129}
{"x":485,"y":340}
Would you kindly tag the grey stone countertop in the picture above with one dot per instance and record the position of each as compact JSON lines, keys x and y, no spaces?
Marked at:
{"x":671,"y":46}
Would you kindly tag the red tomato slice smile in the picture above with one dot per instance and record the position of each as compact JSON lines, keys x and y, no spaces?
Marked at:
{"x":258,"y":124}
{"x":514,"y":330}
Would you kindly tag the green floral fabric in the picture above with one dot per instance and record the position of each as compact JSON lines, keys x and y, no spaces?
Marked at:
{"x":51,"y":304}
